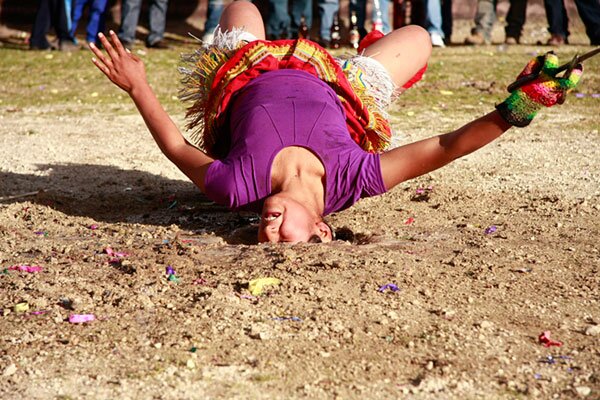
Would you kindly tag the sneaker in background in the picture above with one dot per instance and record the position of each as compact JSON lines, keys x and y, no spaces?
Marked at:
{"x":437,"y":40}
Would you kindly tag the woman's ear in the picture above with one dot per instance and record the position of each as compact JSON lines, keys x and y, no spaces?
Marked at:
{"x":325,"y":232}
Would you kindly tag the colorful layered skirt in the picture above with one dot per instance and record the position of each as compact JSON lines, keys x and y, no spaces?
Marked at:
{"x":216,"y":71}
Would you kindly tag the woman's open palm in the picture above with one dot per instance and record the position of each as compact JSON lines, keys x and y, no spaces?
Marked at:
{"x":120,"y":66}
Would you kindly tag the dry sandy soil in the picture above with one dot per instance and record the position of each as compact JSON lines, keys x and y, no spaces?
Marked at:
{"x":465,"y":322}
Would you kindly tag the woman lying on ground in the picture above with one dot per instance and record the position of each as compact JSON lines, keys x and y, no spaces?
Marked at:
{"x":290,"y":132}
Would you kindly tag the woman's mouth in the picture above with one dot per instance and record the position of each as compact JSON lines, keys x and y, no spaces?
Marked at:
{"x":271,"y":216}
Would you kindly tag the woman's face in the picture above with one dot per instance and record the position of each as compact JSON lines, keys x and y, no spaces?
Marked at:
{"x":286,"y":220}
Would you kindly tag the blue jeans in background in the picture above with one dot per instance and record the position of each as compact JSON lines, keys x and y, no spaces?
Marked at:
{"x":433,"y":20}
{"x":213,"y":14}
{"x":360,"y":7}
{"x":97,"y":18}
{"x":327,"y":9}
{"x":284,"y":22}
{"x":130,"y":15}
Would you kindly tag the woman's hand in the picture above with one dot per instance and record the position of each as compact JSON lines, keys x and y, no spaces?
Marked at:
{"x":123,"y":68}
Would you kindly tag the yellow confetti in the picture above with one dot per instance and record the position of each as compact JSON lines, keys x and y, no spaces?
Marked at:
{"x":54,"y":91}
{"x":410,"y":113}
{"x":446,"y":92}
{"x":21,"y":308}
{"x":256,"y":286}
{"x":49,"y":56}
{"x":94,"y":94}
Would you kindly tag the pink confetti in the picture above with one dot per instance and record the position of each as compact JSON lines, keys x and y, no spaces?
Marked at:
{"x":81,"y":318}
{"x":546,"y":341}
{"x":200,"y":281}
{"x":26,"y":268}
{"x":94,"y":227}
{"x":38,"y":312}
{"x":112,"y":253}
{"x":409,"y":221}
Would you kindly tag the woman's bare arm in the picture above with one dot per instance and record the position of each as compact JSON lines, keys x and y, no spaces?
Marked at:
{"x":416,"y":159}
{"x":127,"y":72}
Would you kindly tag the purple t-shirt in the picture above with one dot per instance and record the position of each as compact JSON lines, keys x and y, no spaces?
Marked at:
{"x":285,"y":108}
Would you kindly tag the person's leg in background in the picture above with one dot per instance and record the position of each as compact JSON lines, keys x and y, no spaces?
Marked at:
{"x":41,"y":25}
{"x":278,"y":23}
{"x":360,"y":8}
{"x":130,"y":14}
{"x":447,"y":20}
{"x":213,"y":13}
{"x":61,"y":20}
{"x":157,"y":22}
{"x":558,"y":22}
{"x":300,"y":8}
{"x":384,"y":7}
{"x":484,"y":22}
{"x":327,"y":10}
{"x":433,"y":23}
{"x":515,"y":19}
{"x":589,"y":12}
{"x":78,"y":7}
{"x":97,"y":21}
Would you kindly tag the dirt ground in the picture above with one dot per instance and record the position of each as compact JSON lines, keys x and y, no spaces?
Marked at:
{"x":487,"y":253}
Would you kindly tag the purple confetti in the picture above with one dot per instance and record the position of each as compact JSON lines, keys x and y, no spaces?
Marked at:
{"x":596,"y":95}
{"x":537,"y":376}
{"x":389,"y":286}
{"x":491,"y":229}
{"x":579,"y":95}
{"x":169,"y":270}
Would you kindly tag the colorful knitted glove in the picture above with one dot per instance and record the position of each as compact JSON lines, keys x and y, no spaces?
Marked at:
{"x":546,"y":90}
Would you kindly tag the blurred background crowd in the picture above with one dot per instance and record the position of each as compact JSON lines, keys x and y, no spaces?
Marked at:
{"x":69,"y":24}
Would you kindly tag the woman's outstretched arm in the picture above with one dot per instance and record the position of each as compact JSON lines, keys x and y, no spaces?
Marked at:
{"x":518,"y":109}
{"x":127,"y":72}
{"x":418,"y":158}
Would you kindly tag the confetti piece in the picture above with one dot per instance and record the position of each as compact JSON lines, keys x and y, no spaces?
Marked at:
{"x":409,"y":221}
{"x":595,"y":95}
{"x":49,"y":57}
{"x":94,"y":227}
{"x":94,"y":94}
{"x":490,"y":229}
{"x":200,"y":281}
{"x":544,"y":339}
{"x":256,"y":286}
{"x":54,"y":91}
{"x":169,"y":270}
{"x":295,"y":319}
{"x":389,"y":286}
{"x":410,"y":113}
{"x":25,"y":268}
{"x":113,"y":253}
{"x":580,"y":95}
{"x":423,"y":190}
{"x":81,"y":318}
{"x":41,"y":233}
{"x":38,"y":312}
{"x":21,"y":308}
{"x":446,"y":92}
{"x":172,"y":205}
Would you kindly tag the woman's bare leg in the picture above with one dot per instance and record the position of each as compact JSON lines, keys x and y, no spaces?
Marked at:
{"x":402,"y":52}
{"x":243,"y":14}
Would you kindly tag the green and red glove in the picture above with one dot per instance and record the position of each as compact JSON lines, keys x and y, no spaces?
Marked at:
{"x":546,"y":90}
